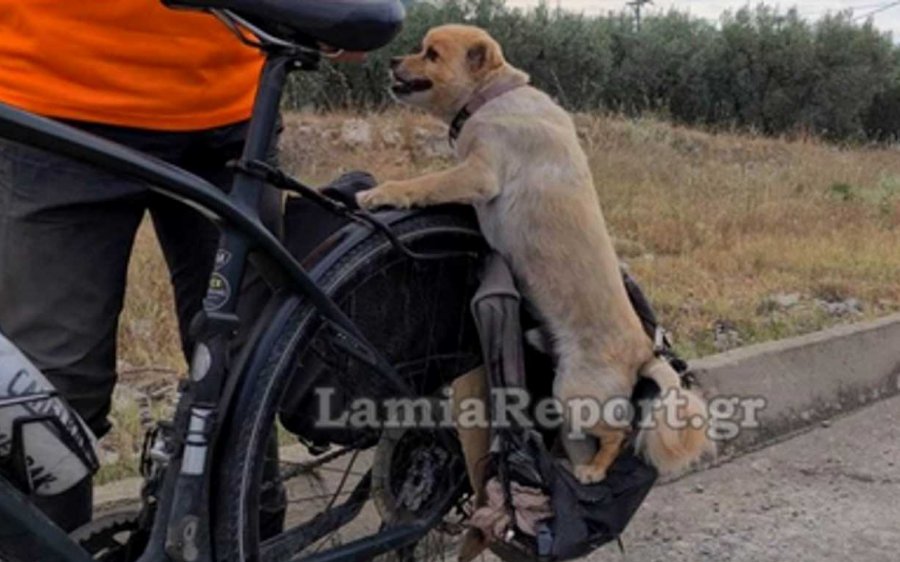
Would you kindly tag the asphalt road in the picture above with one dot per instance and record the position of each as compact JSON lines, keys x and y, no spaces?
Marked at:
{"x":832,"y":494}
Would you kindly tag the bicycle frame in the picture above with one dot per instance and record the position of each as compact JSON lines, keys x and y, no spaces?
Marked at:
{"x":181,"y":530}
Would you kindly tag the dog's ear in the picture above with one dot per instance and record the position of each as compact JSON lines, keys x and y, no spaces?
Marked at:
{"x":484,"y":56}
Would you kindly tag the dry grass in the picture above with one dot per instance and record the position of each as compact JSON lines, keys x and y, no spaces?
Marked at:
{"x":711,"y":225}
{"x":727,"y":221}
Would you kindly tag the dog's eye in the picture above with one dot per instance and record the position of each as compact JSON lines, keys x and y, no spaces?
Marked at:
{"x":431,"y":54}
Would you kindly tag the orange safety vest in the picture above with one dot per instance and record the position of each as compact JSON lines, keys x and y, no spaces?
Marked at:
{"x":132,"y":63}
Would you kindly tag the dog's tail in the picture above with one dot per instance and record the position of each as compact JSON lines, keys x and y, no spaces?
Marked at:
{"x":674,"y":432}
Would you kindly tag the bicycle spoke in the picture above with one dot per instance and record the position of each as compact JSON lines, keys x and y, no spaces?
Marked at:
{"x":296,"y":469}
{"x":335,"y":469}
{"x":333,"y":499}
{"x":318,"y":497}
{"x":293,"y":541}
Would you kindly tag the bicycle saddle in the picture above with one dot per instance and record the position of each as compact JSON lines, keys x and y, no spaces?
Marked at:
{"x":352,"y":25}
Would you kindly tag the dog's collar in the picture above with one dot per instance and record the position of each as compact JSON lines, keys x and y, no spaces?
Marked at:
{"x":477,"y":101}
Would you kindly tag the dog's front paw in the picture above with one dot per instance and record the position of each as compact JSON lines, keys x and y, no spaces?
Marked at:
{"x":387,"y":194}
{"x":368,"y":199}
{"x":589,"y":474}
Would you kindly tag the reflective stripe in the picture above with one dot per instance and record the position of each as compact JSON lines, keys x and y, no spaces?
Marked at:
{"x":196,"y":445}
{"x":194,"y":461}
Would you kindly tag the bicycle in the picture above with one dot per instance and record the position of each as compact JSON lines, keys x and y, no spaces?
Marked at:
{"x":208,"y":470}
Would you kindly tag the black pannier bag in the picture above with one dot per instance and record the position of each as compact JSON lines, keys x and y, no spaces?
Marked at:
{"x":414,"y":311}
{"x":584,"y":516}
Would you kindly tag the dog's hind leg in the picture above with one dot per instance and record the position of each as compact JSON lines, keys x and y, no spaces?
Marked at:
{"x":591,"y":442}
{"x":579,"y":448}
{"x":610,"y":440}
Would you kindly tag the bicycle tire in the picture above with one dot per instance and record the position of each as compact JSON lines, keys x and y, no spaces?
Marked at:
{"x":256,"y":404}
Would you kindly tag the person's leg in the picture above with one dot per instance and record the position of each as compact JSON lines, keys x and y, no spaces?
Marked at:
{"x":66,"y":232}
{"x":188,"y":241}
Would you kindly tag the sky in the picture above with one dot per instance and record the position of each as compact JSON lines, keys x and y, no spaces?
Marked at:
{"x":888,"y":20}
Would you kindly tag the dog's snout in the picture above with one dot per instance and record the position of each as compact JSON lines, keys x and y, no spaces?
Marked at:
{"x":395,"y":62}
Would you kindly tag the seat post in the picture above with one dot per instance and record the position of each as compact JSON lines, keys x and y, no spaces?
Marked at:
{"x":247,"y":188}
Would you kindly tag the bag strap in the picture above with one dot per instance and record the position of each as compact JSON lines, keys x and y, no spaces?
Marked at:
{"x":496,"y":308}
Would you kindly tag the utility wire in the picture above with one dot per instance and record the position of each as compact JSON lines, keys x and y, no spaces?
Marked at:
{"x":810,"y":11}
{"x":864,"y":6}
{"x":884,"y":7}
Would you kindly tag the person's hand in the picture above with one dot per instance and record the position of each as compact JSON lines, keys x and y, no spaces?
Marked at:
{"x":351,"y":56}
{"x":341,"y":55}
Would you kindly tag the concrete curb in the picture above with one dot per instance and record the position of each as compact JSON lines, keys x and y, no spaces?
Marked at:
{"x":806,"y":379}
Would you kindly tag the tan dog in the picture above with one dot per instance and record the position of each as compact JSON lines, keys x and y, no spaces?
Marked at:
{"x":522,"y":168}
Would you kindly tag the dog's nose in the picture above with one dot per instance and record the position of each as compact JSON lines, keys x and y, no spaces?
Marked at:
{"x":395,"y":62}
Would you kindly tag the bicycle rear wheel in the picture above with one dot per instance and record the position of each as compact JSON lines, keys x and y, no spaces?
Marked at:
{"x":371,"y":486}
